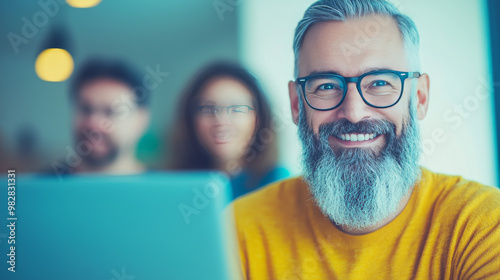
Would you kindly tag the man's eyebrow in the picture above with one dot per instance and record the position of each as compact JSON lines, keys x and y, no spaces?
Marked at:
{"x":336,"y":73}
{"x":371,"y":69}
{"x":322,"y":72}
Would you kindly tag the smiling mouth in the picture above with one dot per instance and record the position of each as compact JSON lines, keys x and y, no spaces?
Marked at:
{"x":222,"y":137}
{"x":357,"y":137}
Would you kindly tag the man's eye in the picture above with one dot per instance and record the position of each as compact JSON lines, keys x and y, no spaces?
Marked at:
{"x":326,"y":86}
{"x":109,"y":113}
{"x":380,"y":83}
{"x":86,"y":110}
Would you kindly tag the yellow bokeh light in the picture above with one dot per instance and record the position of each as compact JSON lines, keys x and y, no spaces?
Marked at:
{"x":54,"y":65}
{"x":83,"y":3}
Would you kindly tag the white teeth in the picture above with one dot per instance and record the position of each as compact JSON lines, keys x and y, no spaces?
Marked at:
{"x":222,"y":136}
{"x":357,"y":137}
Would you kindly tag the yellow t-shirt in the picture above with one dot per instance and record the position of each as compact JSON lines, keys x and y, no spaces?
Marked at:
{"x":450,"y":229}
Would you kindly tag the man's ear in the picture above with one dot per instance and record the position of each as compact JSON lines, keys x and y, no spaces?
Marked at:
{"x":143,"y":118}
{"x":294,"y":101}
{"x":422,"y":96}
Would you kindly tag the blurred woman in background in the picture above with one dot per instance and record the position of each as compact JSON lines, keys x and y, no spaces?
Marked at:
{"x":224,"y":123}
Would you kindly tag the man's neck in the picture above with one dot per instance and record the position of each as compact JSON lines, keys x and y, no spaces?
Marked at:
{"x":353,"y":231}
{"x":123,"y":165}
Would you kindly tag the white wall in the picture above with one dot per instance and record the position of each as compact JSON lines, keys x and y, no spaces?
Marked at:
{"x":458,"y":133}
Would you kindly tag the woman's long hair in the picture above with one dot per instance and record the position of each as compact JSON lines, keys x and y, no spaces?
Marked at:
{"x":188,"y":153}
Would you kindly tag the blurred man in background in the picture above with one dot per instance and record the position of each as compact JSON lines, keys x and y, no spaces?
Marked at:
{"x":111,"y":115}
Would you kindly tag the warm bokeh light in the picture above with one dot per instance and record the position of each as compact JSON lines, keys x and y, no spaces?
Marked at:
{"x":54,"y":65}
{"x":83,"y":3}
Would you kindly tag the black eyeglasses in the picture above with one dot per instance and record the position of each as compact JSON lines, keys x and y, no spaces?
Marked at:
{"x":379,"y":89}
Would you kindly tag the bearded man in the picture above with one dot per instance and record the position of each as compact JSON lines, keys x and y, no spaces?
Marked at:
{"x":363,"y":208}
{"x":111,"y":114}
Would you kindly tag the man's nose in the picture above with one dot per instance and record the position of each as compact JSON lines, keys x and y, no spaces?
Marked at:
{"x":353,"y":108}
{"x":94,"y":120}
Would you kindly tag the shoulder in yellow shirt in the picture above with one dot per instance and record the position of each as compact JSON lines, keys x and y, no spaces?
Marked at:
{"x":450,"y":229}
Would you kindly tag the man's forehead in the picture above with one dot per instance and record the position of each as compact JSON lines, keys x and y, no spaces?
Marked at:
{"x":352,"y":47}
{"x":106,"y":91}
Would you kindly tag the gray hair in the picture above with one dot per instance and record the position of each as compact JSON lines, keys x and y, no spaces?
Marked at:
{"x":342,"y":10}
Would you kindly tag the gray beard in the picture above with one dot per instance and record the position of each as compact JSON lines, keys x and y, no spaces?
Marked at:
{"x":359,"y":187}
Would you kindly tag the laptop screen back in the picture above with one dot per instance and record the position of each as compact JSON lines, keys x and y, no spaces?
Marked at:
{"x":152,"y":226}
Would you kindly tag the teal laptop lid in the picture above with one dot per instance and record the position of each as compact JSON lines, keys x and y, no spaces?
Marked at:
{"x":151,"y":226}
